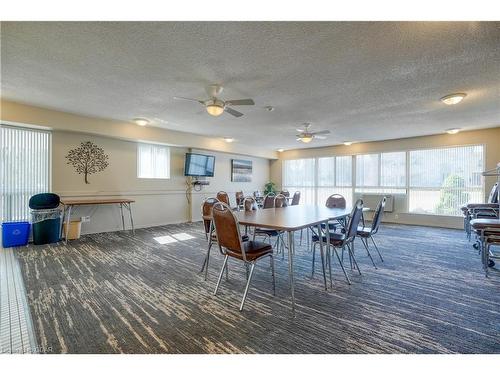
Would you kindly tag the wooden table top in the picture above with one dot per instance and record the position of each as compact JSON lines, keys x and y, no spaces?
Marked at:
{"x":290,"y":218}
{"x":83,"y":202}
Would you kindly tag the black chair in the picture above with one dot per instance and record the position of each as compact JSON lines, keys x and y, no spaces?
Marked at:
{"x":364,"y":232}
{"x":341,"y":241}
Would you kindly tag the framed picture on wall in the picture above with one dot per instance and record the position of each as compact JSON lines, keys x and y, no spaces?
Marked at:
{"x":241,"y":170}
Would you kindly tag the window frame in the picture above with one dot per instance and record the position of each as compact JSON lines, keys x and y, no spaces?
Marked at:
{"x":138,"y":167}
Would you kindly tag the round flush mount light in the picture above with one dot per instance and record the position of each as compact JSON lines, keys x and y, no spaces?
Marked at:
{"x":141,"y":121}
{"x":453,"y":99}
{"x":280,"y":150}
{"x":452,"y":131}
{"x":347,"y":143}
{"x":228,"y":139}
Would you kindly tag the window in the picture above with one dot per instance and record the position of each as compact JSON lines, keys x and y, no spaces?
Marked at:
{"x":300,"y":175}
{"x":24,"y":169}
{"x":153,"y":161}
{"x":441,"y":180}
{"x":317,"y":179}
{"x":381,"y":173}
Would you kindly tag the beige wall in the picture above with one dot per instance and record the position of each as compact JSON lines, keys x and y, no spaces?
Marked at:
{"x":489,"y":137}
{"x":158,"y":202}
{"x":17,"y":113}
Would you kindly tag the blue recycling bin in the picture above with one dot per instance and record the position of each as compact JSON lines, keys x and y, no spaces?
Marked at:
{"x":15,"y":233}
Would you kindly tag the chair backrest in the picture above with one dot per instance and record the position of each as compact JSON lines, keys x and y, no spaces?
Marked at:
{"x":377,"y":216}
{"x":296,"y":198}
{"x":250,"y":204}
{"x":493,"y":197}
{"x":335,"y":201}
{"x":257,"y":194}
{"x":228,"y":229}
{"x":206,"y":210}
{"x":269,"y":201}
{"x":223,"y":197}
{"x":356,"y":214}
{"x":280,"y":201}
{"x":285,"y":192}
{"x":239,"y":198}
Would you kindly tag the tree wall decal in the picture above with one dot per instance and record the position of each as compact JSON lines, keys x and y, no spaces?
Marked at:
{"x":87,"y":159}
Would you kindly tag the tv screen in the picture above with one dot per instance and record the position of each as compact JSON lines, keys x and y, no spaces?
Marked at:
{"x":198,"y":165}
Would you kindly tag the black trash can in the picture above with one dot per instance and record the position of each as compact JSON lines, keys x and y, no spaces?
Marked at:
{"x":45,"y":218}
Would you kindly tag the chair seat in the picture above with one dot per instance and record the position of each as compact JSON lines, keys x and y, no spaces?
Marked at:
{"x":335,"y":238}
{"x":253,"y":250}
{"x":364,"y":232}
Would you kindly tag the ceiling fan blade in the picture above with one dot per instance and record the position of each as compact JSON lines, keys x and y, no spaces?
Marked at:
{"x":233,"y":112}
{"x":240,"y":102}
{"x":322,"y":132}
{"x":319,"y":137}
{"x":190,"y":99}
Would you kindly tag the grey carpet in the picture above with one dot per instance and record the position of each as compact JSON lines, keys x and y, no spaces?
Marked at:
{"x":118,"y":293}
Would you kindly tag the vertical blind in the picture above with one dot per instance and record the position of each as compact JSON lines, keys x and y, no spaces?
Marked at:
{"x":24,"y":169}
{"x":153,"y":161}
{"x":441,"y":180}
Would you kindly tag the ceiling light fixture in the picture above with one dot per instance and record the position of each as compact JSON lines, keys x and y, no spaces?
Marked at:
{"x":306,"y":138}
{"x":280,"y":150}
{"x":453,"y":98}
{"x":347,"y":143}
{"x":228,"y":139}
{"x":452,"y":131}
{"x":141,"y":121}
{"x":215,"y":107}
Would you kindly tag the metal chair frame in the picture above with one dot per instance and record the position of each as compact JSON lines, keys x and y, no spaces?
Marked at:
{"x":248,"y":264}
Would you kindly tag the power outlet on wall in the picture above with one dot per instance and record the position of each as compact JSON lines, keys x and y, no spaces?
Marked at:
{"x":85,"y":219}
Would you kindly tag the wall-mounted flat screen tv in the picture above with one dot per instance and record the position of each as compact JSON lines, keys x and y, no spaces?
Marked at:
{"x":198,"y":165}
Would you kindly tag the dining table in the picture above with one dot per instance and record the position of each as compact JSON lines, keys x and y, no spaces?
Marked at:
{"x":290,"y":219}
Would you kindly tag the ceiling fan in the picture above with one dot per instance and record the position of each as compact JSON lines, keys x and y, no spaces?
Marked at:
{"x":216,"y":106}
{"x":306,"y":136}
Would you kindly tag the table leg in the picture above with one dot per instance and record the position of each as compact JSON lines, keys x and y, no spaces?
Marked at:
{"x":322,"y":252}
{"x":67,"y":224}
{"x":328,"y":255}
{"x":123,"y":219}
{"x":131,"y":217}
{"x":291,"y":245}
{"x":62,"y":221}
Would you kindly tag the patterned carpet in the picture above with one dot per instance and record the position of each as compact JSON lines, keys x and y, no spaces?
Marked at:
{"x":118,"y":293}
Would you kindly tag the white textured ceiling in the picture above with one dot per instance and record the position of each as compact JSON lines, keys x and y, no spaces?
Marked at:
{"x":363,"y":81}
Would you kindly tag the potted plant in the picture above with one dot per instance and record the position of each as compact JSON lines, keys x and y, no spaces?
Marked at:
{"x":270,"y":187}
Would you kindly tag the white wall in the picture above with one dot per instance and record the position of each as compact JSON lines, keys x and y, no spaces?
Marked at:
{"x":222,"y":180}
{"x":158,"y":202}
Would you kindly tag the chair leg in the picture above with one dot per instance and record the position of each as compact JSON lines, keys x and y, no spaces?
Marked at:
{"x":368,"y":251}
{"x":376,"y":248}
{"x":323,"y":265}
{"x":205,"y":262}
{"x":300,"y":242}
{"x":246,"y":271}
{"x":220,"y":275}
{"x":351,"y":252}
{"x":329,"y":257}
{"x":342,"y":266}
{"x":272,"y":273}
{"x":314,"y":258}
{"x":247,"y":286}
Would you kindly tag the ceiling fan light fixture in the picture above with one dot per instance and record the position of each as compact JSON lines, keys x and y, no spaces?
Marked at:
{"x":306,"y":138}
{"x":453,"y":99}
{"x":215,"y":109}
